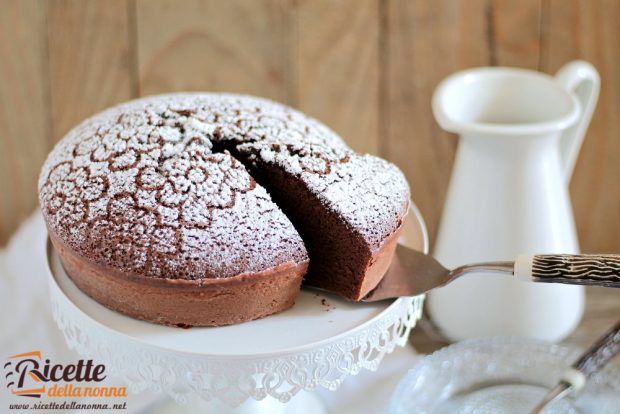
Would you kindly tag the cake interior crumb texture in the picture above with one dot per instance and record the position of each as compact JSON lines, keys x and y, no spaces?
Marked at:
{"x":208,"y":186}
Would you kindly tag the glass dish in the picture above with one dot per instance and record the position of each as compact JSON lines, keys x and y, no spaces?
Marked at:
{"x":500,"y":375}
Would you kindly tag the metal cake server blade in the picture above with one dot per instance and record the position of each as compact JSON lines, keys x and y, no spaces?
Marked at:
{"x":412,"y":273}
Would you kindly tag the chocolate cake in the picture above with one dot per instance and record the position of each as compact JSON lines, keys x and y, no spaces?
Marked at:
{"x":209,"y":209}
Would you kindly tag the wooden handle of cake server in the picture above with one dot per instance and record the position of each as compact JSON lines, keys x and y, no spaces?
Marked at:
{"x":577,"y":269}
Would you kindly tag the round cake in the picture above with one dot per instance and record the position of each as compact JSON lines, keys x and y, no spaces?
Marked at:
{"x":210,"y":209}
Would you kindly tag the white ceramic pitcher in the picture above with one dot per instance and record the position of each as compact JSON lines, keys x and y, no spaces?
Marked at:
{"x":520,"y":134}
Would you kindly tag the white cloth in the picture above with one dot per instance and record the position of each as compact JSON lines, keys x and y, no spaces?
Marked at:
{"x":26,"y":324}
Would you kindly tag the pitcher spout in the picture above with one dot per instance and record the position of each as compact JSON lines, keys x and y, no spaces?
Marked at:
{"x":503,"y":102}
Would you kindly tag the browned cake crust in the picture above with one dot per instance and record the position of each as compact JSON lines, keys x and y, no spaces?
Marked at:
{"x":205,"y":209}
{"x":182,"y":302}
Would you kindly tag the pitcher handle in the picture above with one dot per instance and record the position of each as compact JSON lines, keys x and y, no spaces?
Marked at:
{"x":580,"y":78}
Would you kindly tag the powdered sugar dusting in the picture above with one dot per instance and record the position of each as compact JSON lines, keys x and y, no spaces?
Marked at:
{"x":148,"y":186}
{"x":139,"y":187}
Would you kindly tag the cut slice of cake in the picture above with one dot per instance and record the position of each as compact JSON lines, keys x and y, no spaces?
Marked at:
{"x":348,"y":208}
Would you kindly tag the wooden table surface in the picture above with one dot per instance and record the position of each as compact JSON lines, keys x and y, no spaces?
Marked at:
{"x":602,"y":311}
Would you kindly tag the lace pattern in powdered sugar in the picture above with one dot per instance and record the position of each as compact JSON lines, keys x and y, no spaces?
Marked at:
{"x":149,"y":187}
{"x":138,"y":187}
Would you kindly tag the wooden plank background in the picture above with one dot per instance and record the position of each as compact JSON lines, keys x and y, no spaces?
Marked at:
{"x":367,"y":68}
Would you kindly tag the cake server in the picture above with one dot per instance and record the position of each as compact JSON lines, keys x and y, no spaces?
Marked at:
{"x":413,"y":273}
{"x":589,"y":363}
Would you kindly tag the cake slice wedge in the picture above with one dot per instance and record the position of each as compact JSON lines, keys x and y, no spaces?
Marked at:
{"x":348,"y":208}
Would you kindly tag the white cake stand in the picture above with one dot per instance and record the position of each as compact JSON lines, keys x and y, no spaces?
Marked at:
{"x":254,"y":367}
